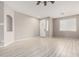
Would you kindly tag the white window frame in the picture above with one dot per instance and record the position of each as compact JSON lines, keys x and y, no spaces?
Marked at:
{"x":68,"y":24}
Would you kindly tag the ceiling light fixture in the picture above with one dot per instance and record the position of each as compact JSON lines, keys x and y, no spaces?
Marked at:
{"x":45,"y":2}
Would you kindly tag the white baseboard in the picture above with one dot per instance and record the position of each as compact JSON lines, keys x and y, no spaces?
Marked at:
{"x":24,"y":39}
{"x":28,"y":38}
{"x":6,"y":44}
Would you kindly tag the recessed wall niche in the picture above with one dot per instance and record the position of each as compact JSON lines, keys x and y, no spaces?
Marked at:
{"x":9,"y":23}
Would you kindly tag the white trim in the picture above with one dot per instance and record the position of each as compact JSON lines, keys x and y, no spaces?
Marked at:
{"x":26,"y":38}
{"x":8,"y":43}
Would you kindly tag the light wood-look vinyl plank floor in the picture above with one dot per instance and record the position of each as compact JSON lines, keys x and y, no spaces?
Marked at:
{"x":42,"y":47}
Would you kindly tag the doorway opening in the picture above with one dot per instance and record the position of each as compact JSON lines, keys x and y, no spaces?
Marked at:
{"x":44,"y":27}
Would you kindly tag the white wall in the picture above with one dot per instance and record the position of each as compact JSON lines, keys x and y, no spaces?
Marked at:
{"x":5,"y":37}
{"x":50,"y":27}
{"x":8,"y":36}
{"x":25,"y":26}
{"x":1,"y":24}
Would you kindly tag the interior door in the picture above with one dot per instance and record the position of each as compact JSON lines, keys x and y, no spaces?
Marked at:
{"x":44,"y":27}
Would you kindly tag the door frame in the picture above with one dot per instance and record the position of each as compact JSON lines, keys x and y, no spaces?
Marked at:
{"x":47,"y":31}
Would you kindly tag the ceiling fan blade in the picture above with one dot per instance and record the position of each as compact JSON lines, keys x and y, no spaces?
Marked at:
{"x":45,"y":3}
{"x":52,"y":2}
{"x":38,"y":2}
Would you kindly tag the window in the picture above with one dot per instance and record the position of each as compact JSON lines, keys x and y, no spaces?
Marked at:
{"x":68,"y":24}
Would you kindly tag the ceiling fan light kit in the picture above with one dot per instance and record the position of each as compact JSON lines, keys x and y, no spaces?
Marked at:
{"x":45,"y":2}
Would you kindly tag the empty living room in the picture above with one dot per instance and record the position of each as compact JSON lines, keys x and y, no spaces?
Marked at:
{"x":39,"y":28}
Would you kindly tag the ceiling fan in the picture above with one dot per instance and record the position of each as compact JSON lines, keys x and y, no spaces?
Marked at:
{"x":45,"y":2}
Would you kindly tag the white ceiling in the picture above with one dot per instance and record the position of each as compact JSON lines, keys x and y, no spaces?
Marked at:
{"x":58,"y":9}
